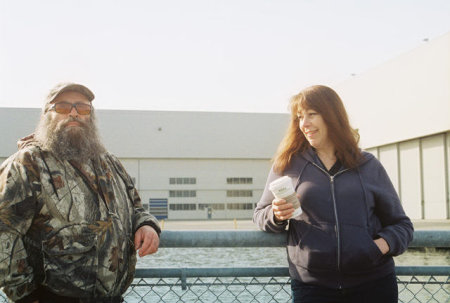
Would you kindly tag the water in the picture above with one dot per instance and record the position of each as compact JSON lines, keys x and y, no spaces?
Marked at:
{"x":265,"y":256}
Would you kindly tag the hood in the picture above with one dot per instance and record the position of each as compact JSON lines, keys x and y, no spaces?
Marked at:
{"x":309,"y":155}
{"x":366,"y":157}
{"x":26,"y":142}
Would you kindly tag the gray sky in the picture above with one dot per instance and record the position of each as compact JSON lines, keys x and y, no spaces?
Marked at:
{"x":202,"y":55}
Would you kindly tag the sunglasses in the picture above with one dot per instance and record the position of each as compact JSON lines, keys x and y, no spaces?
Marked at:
{"x":66,"y":107}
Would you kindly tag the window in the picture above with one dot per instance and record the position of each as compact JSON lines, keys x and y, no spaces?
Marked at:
{"x":239,"y":193}
{"x":239,"y":180}
{"x":214,"y":206}
{"x":184,"y":206}
{"x":182,"y":193}
{"x":239,"y":206}
{"x":182,"y":181}
{"x":158,"y":208}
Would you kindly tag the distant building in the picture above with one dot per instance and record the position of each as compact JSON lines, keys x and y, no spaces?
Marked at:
{"x":186,"y":165}
{"x":210,"y":165}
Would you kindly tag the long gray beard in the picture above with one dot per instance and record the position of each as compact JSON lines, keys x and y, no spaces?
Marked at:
{"x":69,"y":143}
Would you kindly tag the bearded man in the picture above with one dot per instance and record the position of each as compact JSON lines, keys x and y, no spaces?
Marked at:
{"x":71,"y":219}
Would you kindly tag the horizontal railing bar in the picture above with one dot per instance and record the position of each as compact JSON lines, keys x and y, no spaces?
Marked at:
{"x":222,"y":239}
{"x":240,"y":238}
{"x":431,"y":238}
{"x":268,"y":272}
{"x":212,"y":272}
{"x":443,"y":270}
{"x":197,"y":284}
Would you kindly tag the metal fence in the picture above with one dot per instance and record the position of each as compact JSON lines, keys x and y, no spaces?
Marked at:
{"x":416,"y":284}
{"x":266,"y":284}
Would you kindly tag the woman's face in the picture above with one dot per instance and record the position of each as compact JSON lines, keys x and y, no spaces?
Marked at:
{"x":314,"y":128}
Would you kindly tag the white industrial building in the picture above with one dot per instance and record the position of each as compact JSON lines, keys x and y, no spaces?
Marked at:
{"x":186,"y":165}
{"x":200,"y":165}
{"x":402,"y":111}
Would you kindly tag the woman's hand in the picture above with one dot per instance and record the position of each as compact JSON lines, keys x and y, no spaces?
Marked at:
{"x":282,"y":210}
{"x":382,"y":245}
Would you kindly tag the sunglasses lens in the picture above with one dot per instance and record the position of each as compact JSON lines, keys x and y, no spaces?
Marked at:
{"x":63,"y":108}
{"x":83,"y":109}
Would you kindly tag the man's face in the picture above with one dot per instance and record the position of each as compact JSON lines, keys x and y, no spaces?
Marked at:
{"x":70,"y":132}
{"x":70,"y":119}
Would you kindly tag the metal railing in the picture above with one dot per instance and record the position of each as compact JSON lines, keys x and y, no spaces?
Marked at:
{"x":266,"y":284}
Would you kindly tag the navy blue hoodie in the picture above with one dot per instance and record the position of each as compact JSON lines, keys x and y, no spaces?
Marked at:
{"x":331,"y":243}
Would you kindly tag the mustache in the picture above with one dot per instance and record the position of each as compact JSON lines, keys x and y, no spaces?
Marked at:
{"x":73,"y":119}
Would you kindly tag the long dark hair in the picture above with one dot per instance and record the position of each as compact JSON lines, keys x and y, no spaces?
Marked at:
{"x":328,"y":104}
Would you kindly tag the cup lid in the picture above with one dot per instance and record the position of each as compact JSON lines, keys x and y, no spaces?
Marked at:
{"x":285,"y":180}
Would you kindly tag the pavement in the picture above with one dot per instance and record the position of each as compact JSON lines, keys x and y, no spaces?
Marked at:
{"x":249,"y":225}
{"x":431,"y":224}
{"x":208,"y":225}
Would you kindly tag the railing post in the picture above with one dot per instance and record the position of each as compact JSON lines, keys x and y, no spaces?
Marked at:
{"x":183,"y":279}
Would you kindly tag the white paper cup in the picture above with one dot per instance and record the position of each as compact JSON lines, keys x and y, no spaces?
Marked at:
{"x":282,"y":188}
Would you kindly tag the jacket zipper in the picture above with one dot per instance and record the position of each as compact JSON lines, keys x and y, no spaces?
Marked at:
{"x":336,"y":227}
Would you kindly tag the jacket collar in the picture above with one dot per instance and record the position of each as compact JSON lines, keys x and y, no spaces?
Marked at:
{"x":309,"y":155}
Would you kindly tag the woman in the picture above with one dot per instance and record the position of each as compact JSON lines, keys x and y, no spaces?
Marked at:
{"x":340,"y":248}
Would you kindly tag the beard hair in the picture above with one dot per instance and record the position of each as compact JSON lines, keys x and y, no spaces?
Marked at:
{"x":78,"y":143}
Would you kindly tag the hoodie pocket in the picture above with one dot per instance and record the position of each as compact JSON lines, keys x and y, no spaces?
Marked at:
{"x":313,"y":247}
{"x":70,"y":262}
{"x":359,"y":251}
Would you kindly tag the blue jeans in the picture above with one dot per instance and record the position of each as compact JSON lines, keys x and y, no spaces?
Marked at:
{"x":384,"y":290}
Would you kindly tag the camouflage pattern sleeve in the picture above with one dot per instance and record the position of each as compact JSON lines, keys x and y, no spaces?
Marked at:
{"x":18,"y":181}
{"x":141,"y":216}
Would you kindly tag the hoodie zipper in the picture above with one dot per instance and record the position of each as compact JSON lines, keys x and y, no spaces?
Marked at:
{"x":337,"y":226}
{"x":336,"y":218}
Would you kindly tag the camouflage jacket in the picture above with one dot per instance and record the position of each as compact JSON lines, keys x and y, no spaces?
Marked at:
{"x":67,"y":226}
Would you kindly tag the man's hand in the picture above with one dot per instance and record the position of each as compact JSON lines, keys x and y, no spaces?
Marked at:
{"x":146,"y":240}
